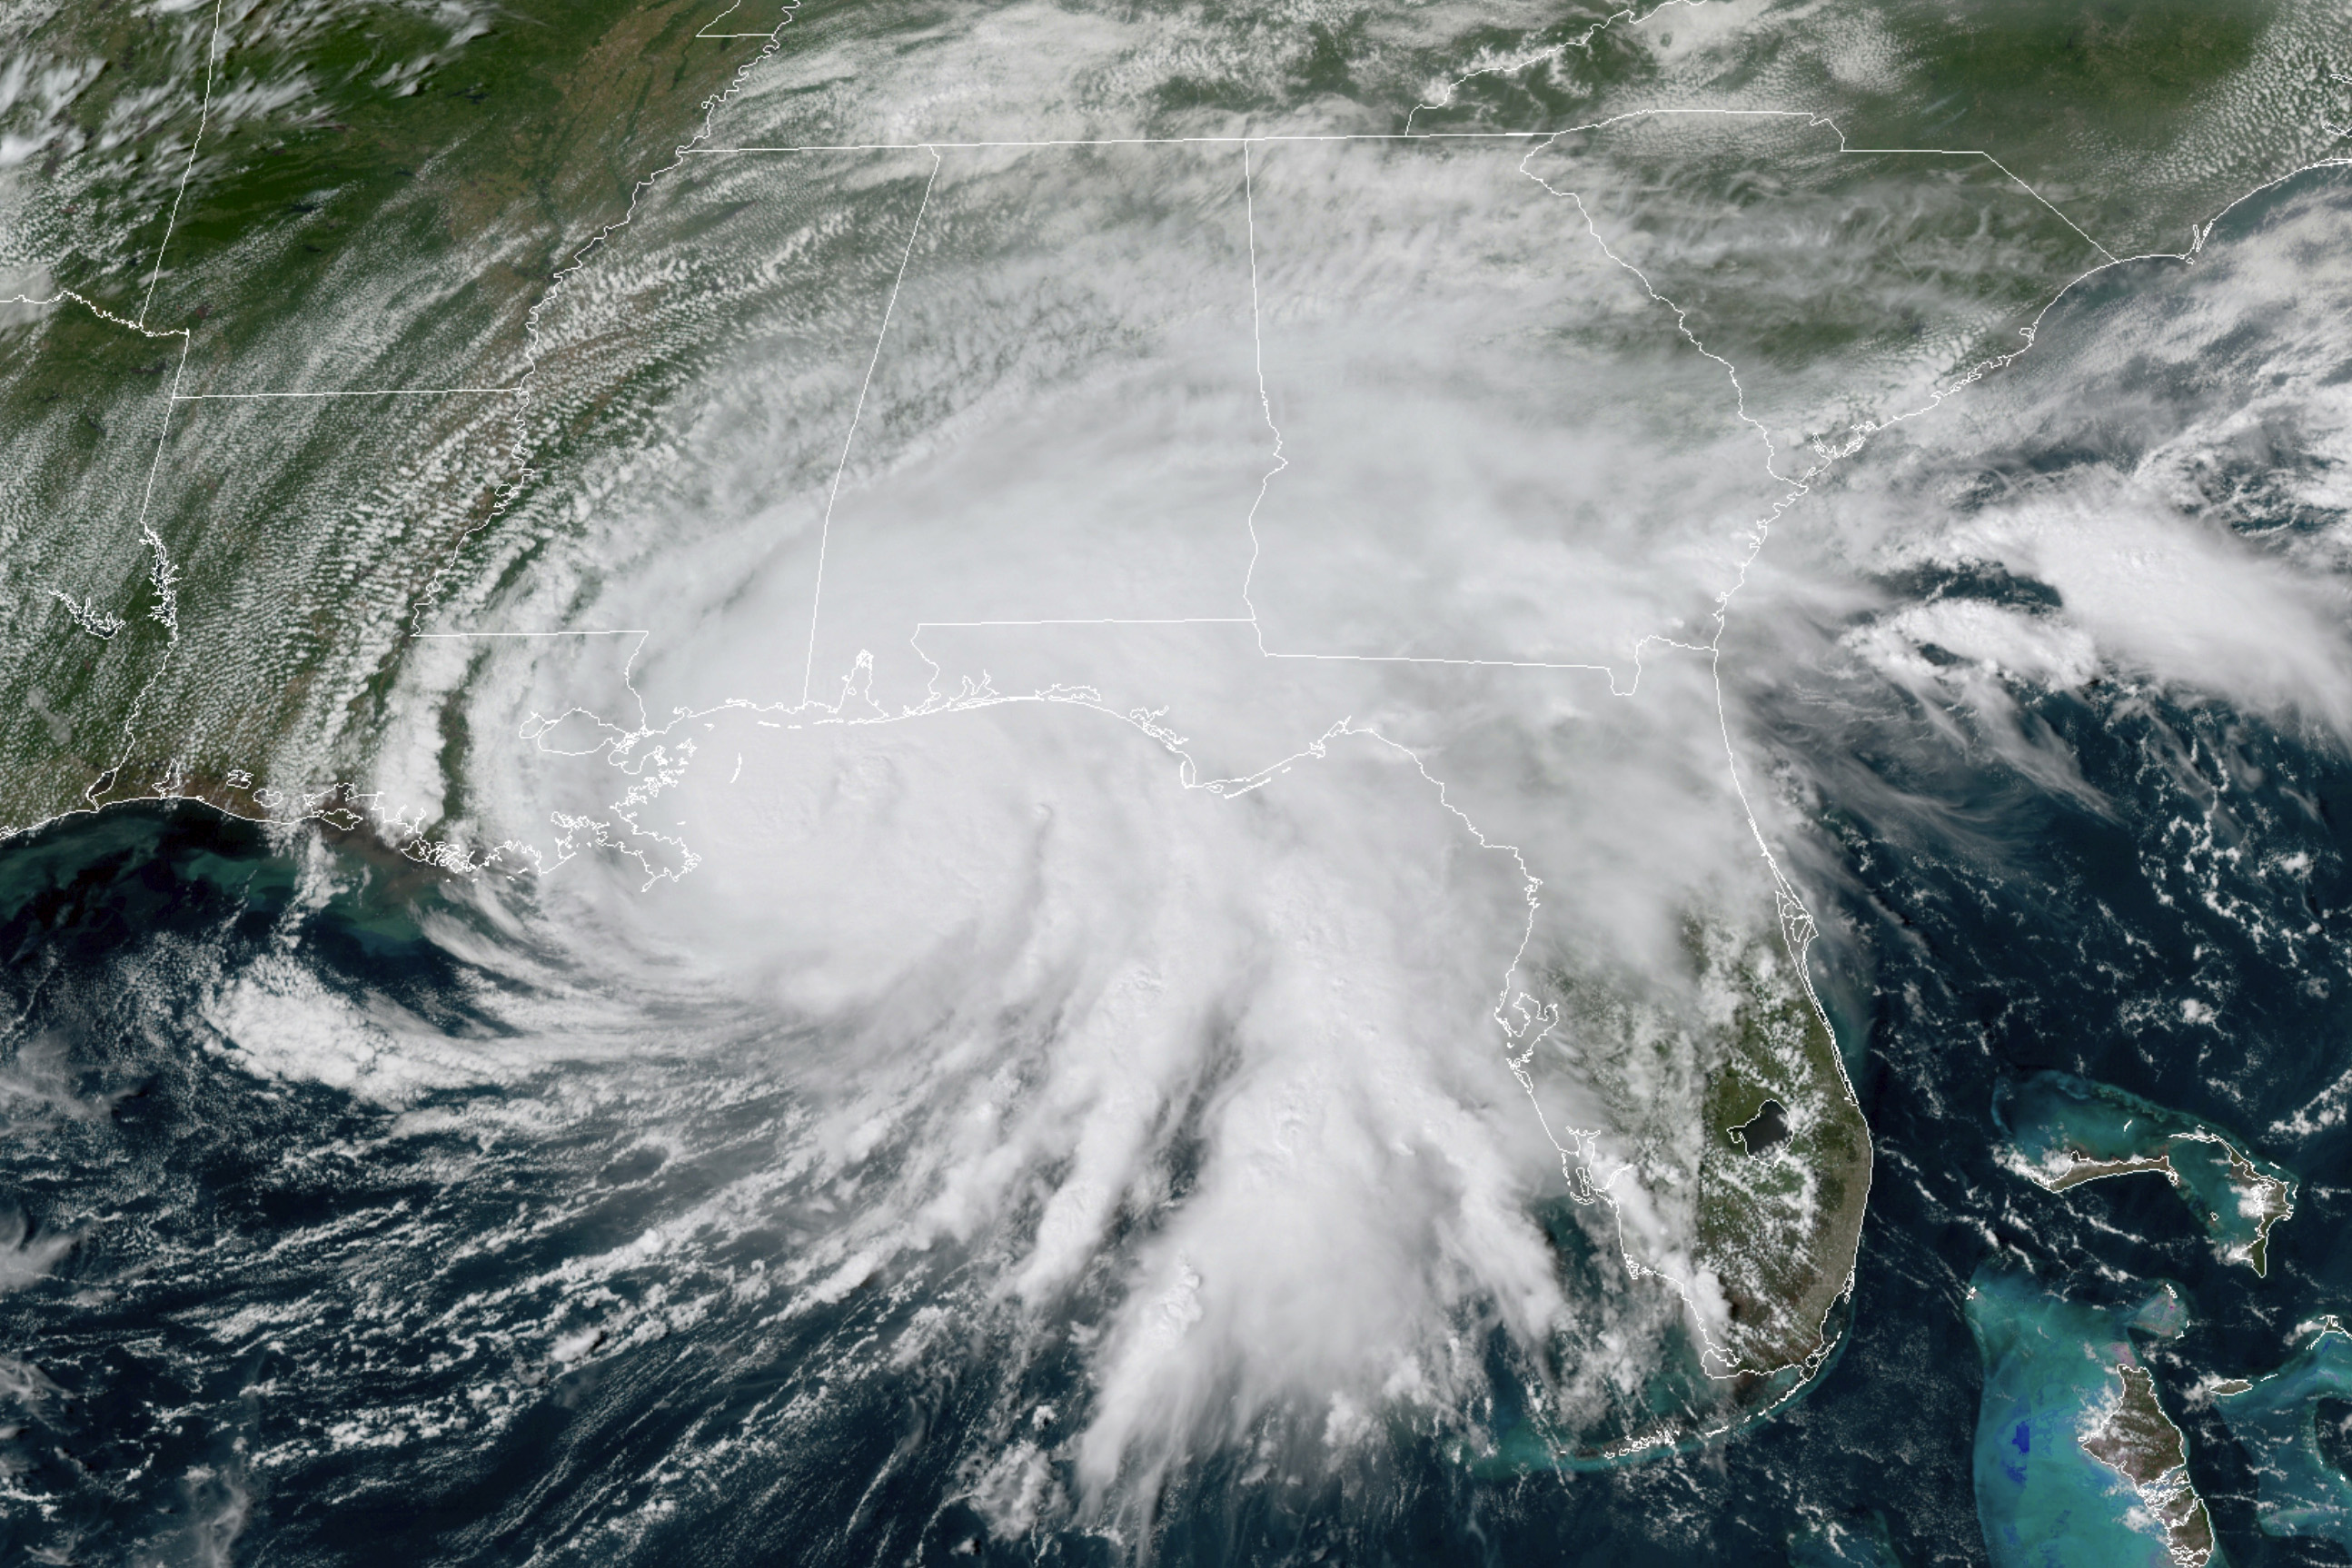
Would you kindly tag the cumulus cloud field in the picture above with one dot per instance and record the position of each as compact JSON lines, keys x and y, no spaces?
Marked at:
{"x":1137,"y":683}
{"x":1160,"y":663}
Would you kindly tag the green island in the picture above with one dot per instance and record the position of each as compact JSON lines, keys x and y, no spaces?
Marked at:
{"x":2064,"y":1131}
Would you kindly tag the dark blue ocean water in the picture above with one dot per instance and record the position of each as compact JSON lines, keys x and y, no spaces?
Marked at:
{"x":194,"y":1191}
{"x":270,"y":1321}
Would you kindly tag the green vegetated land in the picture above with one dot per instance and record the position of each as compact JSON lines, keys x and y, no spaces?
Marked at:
{"x":78,"y":637}
{"x":1779,"y":1218}
{"x":380,"y":193}
{"x":1776,"y":1177}
{"x":379,"y":197}
{"x":2137,"y":119}
{"x":1845,"y":286}
{"x":2072,"y":93}
{"x":419,"y":133}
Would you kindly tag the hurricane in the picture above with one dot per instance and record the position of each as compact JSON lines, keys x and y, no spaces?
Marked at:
{"x":1061,"y":783}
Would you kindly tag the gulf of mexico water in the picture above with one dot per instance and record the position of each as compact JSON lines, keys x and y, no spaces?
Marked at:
{"x":286,"y":1299}
{"x":270,"y":1314}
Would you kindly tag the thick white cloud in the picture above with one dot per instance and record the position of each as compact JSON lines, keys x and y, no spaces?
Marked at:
{"x":1005,"y":726}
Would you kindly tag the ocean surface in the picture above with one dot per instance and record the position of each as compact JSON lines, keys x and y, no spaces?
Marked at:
{"x":260,"y":1308}
{"x":256,"y":1308}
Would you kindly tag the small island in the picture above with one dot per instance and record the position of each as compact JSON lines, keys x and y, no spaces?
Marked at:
{"x":2064,"y":1131}
{"x":2277,"y":1417}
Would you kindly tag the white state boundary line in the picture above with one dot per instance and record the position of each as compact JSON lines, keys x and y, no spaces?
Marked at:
{"x":590,"y":632}
{"x":705,"y":31}
{"x":203,"y":117}
{"x":165,"y":578}
{"x":368,"y":392}
{"x":1266,"y":406}
{"x":825,"y":528}
{"x":1583,"y":40}
{"x":1797,"y":925}
{"x":641,"y":632}
{"x":1244,"y":140}
{"x":428,"y":599}
{"x":86,"y":614}
{"x":161,"y":571}
{"x":1525,"y":1021}
{"x":1796,"y":928}
{"x":1234,"y":139}
{"x":1264,"y":401}
{"x":1097,"y":621}
{"x":1798,"y":486}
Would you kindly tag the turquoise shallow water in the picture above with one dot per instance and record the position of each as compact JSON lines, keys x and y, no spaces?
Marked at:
{"x":240,"y":1270}
{"x":2053,"y":1116}
{"x":2051,"y":1365}
{"x":2300,"y":1494}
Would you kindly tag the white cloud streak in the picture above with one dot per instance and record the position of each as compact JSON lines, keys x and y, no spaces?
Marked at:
{"x":1212,"y":1072}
